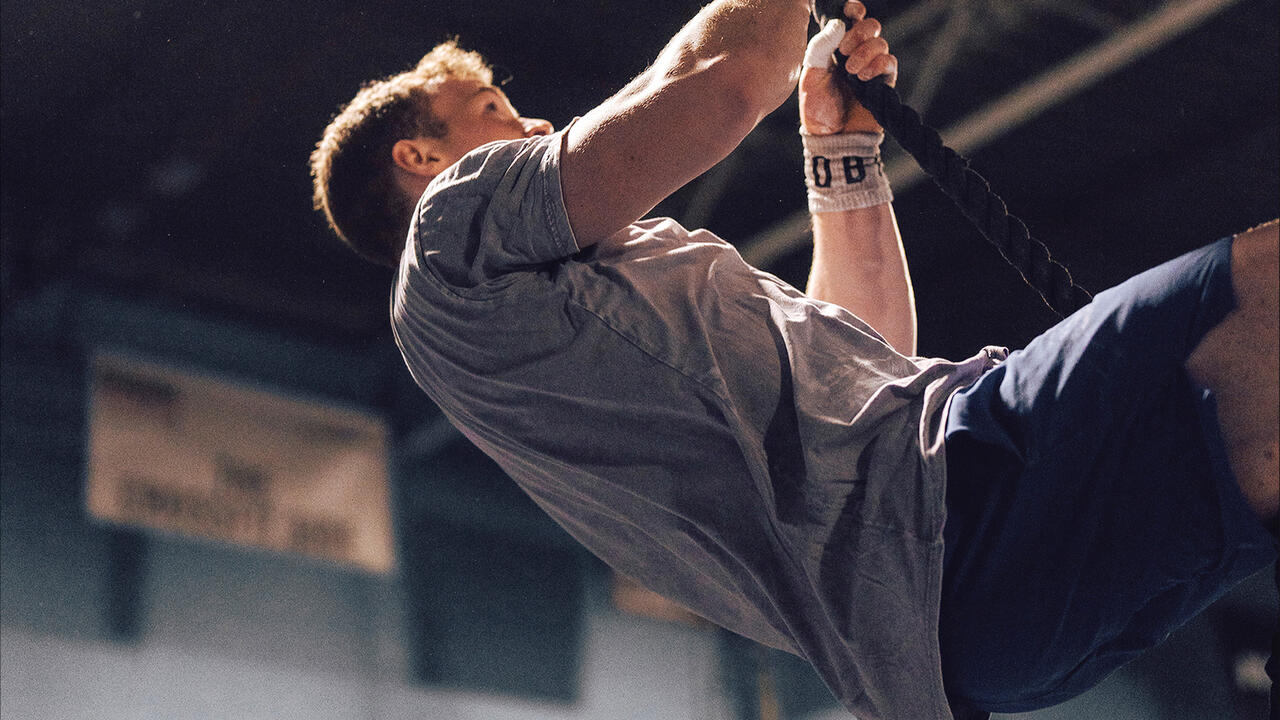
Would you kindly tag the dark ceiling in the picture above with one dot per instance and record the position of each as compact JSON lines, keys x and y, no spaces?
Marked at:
{"x":160,"y":149}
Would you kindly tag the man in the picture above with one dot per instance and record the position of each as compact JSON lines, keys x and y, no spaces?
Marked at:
{"x":774,"y":460}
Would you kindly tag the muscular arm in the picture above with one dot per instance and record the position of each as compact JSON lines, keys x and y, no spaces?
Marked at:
{"x":858,"y":262}
{"x":735,"y":62}
{"x":859,"y":265}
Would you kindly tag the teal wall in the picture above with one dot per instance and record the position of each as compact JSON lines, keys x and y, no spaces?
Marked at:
{"x":493,"y":613}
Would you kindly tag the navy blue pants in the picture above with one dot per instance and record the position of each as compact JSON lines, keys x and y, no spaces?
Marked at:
{"x":1090,"y":507}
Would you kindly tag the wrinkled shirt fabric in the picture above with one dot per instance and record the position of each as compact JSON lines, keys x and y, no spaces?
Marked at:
{"x":763,"y":458}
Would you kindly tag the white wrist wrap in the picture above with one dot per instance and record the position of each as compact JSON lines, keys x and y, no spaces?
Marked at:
{"x":823,"y":45}
{"x":844,"y":172}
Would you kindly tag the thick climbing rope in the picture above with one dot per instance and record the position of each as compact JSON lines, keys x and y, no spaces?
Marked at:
{"x":972,"y":194}
{"x":969,"y":190}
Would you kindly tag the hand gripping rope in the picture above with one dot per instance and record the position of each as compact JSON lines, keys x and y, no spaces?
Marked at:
{"x":988,"y":213}
{"x":964,"y":186}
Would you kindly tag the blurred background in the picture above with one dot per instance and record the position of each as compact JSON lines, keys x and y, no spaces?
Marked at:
{"x":223,"y":497}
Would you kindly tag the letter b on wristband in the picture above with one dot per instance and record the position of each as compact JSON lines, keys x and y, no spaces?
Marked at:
{"x":851,"y":164}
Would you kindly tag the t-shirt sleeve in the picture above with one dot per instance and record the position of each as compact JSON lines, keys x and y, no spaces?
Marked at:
{"x":497,"y":211}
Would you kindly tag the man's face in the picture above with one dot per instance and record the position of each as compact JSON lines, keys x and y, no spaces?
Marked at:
{"x":477,"y":113}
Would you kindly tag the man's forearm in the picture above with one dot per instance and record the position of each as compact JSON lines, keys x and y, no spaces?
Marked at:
{"x":859,"y":264}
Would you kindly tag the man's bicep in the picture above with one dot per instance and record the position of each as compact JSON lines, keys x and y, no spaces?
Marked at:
{"x":626,"y":156}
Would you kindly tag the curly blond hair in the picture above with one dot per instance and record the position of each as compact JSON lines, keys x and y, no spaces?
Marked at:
{"x":352,"y":173}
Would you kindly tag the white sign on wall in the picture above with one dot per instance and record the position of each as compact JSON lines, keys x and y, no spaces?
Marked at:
{"x":201,"y":456}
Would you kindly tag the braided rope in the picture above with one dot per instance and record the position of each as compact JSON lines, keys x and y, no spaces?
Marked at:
{"x":969,"y":190}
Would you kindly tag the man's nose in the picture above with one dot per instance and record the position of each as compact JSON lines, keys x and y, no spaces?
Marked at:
{"x":534,"y":127}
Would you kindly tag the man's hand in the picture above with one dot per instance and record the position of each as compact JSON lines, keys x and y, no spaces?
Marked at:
{"x":858,"y":261}
{"x":827,"y":105}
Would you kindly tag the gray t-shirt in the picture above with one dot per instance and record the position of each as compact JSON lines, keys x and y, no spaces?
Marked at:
{"x":762,"y":458}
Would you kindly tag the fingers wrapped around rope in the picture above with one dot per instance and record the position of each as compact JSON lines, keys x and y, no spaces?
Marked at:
{"x":868,"y":63}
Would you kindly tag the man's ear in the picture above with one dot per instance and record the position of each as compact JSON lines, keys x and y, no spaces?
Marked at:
{"x":418,"y":156}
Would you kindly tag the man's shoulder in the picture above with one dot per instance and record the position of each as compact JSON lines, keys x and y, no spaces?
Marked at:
{"x":494,"y":178}
{"x":495,"y":211}
{"x":464,"y":189}
{"x":485,"y":167}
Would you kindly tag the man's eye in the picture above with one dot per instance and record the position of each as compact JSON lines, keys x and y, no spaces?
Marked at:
{"x":491,"y":107}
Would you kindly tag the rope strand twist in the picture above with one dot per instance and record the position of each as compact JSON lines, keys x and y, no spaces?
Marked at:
{"x":970,"y":192}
